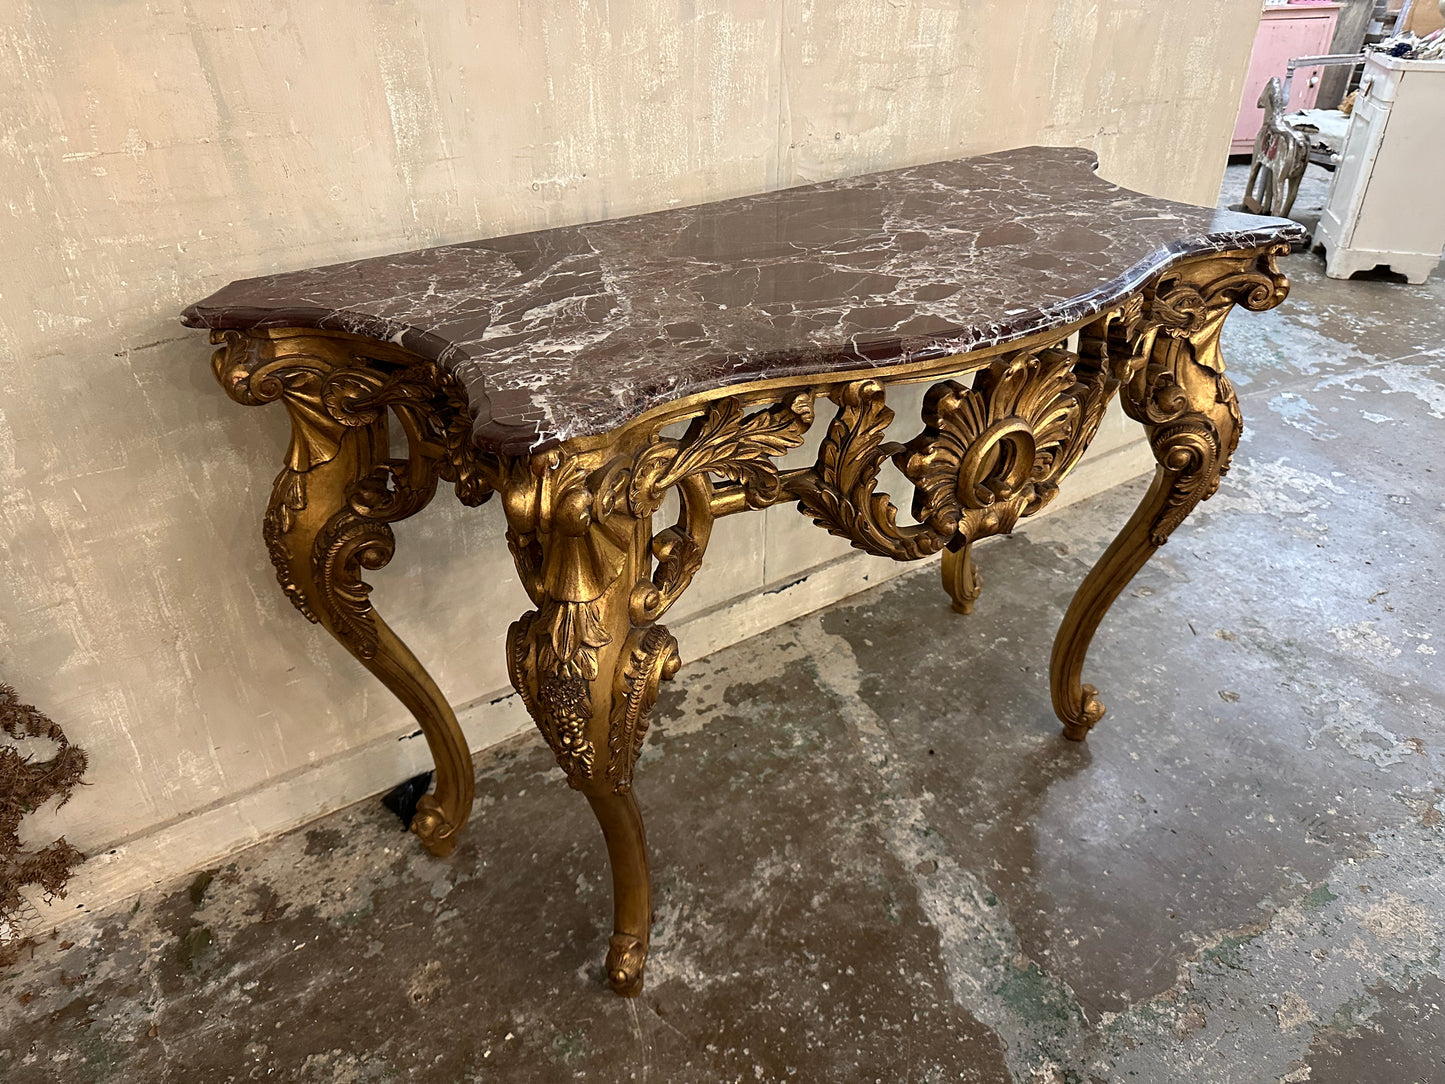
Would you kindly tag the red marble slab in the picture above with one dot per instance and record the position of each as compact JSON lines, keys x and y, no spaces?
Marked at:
{"x":571,"y":332}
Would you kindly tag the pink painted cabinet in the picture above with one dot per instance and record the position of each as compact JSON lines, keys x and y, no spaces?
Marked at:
{"x":1285,"y":31}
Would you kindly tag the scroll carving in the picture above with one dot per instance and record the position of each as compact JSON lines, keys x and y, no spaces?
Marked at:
{"x":988,"y":455}
{"x":1164,"y":352}
{"x":347,"y":544}
{"x":724,"y":443}
{"x":254,"y":373}
{"x":840,"y":493}
{"x":288,"y":497}
{"x":332,"y":397}
{"x":650,"y":659}
{"x":573,"y":528}
{"x":339,"y":491}
{"x":1176,"y":385}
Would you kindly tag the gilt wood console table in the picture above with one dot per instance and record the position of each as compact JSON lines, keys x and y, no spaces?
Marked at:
{"x":544,"y":368}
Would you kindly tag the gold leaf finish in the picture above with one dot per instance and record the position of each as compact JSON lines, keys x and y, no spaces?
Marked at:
{"x":1173,"y":383}
{"x":1000,"y":429}
{"x":337,"y":493}
{"x":961,"y":578}
{"x":990,"y":453}
{"x":650,"y":659}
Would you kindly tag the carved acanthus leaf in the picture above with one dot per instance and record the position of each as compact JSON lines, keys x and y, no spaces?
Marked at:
{"x":1183,"y":308}
{"x":987,"y":455}
{"x":840,"y":493}
{"x":726,"y":443}
{"x":347,"y":544}
{"x":992,"y":453}
{"x":1194,"y":451}
{"x":678,"y":552}
{"x":433,"y":409}
{"x":254,"y":371}
{"x":649,"y":658}
{"x":288,"y":497}
{"x":1181,"y":393}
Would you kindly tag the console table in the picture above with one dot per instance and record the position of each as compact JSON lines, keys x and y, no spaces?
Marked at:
{"x":544,"y":367}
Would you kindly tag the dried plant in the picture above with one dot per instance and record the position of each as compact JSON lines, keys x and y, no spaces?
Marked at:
{"x":25,"y":785}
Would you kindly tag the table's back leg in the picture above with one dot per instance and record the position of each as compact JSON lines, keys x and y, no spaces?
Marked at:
{"x":1177,"y":389}
{"x":329,"y":518}
{"x":961,"y":579}
{"x":320,"y":559}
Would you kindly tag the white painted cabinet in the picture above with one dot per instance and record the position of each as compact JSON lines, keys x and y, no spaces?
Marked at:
{"x":1387,"y":201}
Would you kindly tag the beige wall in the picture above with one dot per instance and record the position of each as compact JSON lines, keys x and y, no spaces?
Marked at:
{"x":151,"y":151}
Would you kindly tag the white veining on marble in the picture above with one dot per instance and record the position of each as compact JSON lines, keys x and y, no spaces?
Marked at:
{"x":572,"y":332}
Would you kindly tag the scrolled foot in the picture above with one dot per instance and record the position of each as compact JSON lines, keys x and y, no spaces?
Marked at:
{"x":626,"y":958}
{"x":1081,"y":720}
{"x":437,"y":834}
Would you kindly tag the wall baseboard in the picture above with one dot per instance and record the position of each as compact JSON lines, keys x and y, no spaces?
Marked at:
{"x":209,"y":836}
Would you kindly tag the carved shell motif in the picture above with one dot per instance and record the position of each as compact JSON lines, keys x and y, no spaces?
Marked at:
{"x":995,"y":452}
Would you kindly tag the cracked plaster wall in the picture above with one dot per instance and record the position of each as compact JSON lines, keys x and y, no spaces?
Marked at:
{"x":150,"y":152}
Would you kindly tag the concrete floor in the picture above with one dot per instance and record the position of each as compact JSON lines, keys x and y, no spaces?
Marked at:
{"x":875,"y":859}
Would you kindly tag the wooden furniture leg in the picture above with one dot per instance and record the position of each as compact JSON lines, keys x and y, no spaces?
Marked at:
{"x":589,"y":659}
{"x":587,"y":663}
{"x":961,"y":579}
{"x":329,"y":518}
{"x":621,"y":822}
{"x":1172,"y":382}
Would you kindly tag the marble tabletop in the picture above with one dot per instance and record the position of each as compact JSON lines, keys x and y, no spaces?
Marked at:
{"x":571,"y":332}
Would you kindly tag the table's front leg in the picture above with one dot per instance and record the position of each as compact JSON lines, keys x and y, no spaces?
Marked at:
{"x":587,"y":673}
{"x":589,"y":659}
{"x":1174,"y":384}
{"x":329,"y":518}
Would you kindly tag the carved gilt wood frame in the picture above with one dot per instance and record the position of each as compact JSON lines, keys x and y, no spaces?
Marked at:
{"x":1001,"y":427}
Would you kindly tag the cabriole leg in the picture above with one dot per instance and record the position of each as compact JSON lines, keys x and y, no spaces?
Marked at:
{"x":328,"y":519}
{"x":587,"y":663}
{"x":1175,"y":386}
{"x":1078,"y":705}
{"x":961,"y":579}
{"x":325,"y":565}
{"x":621,"y":822}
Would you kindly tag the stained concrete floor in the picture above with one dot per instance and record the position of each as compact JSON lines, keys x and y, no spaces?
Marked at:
{"x":875,"y":859}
